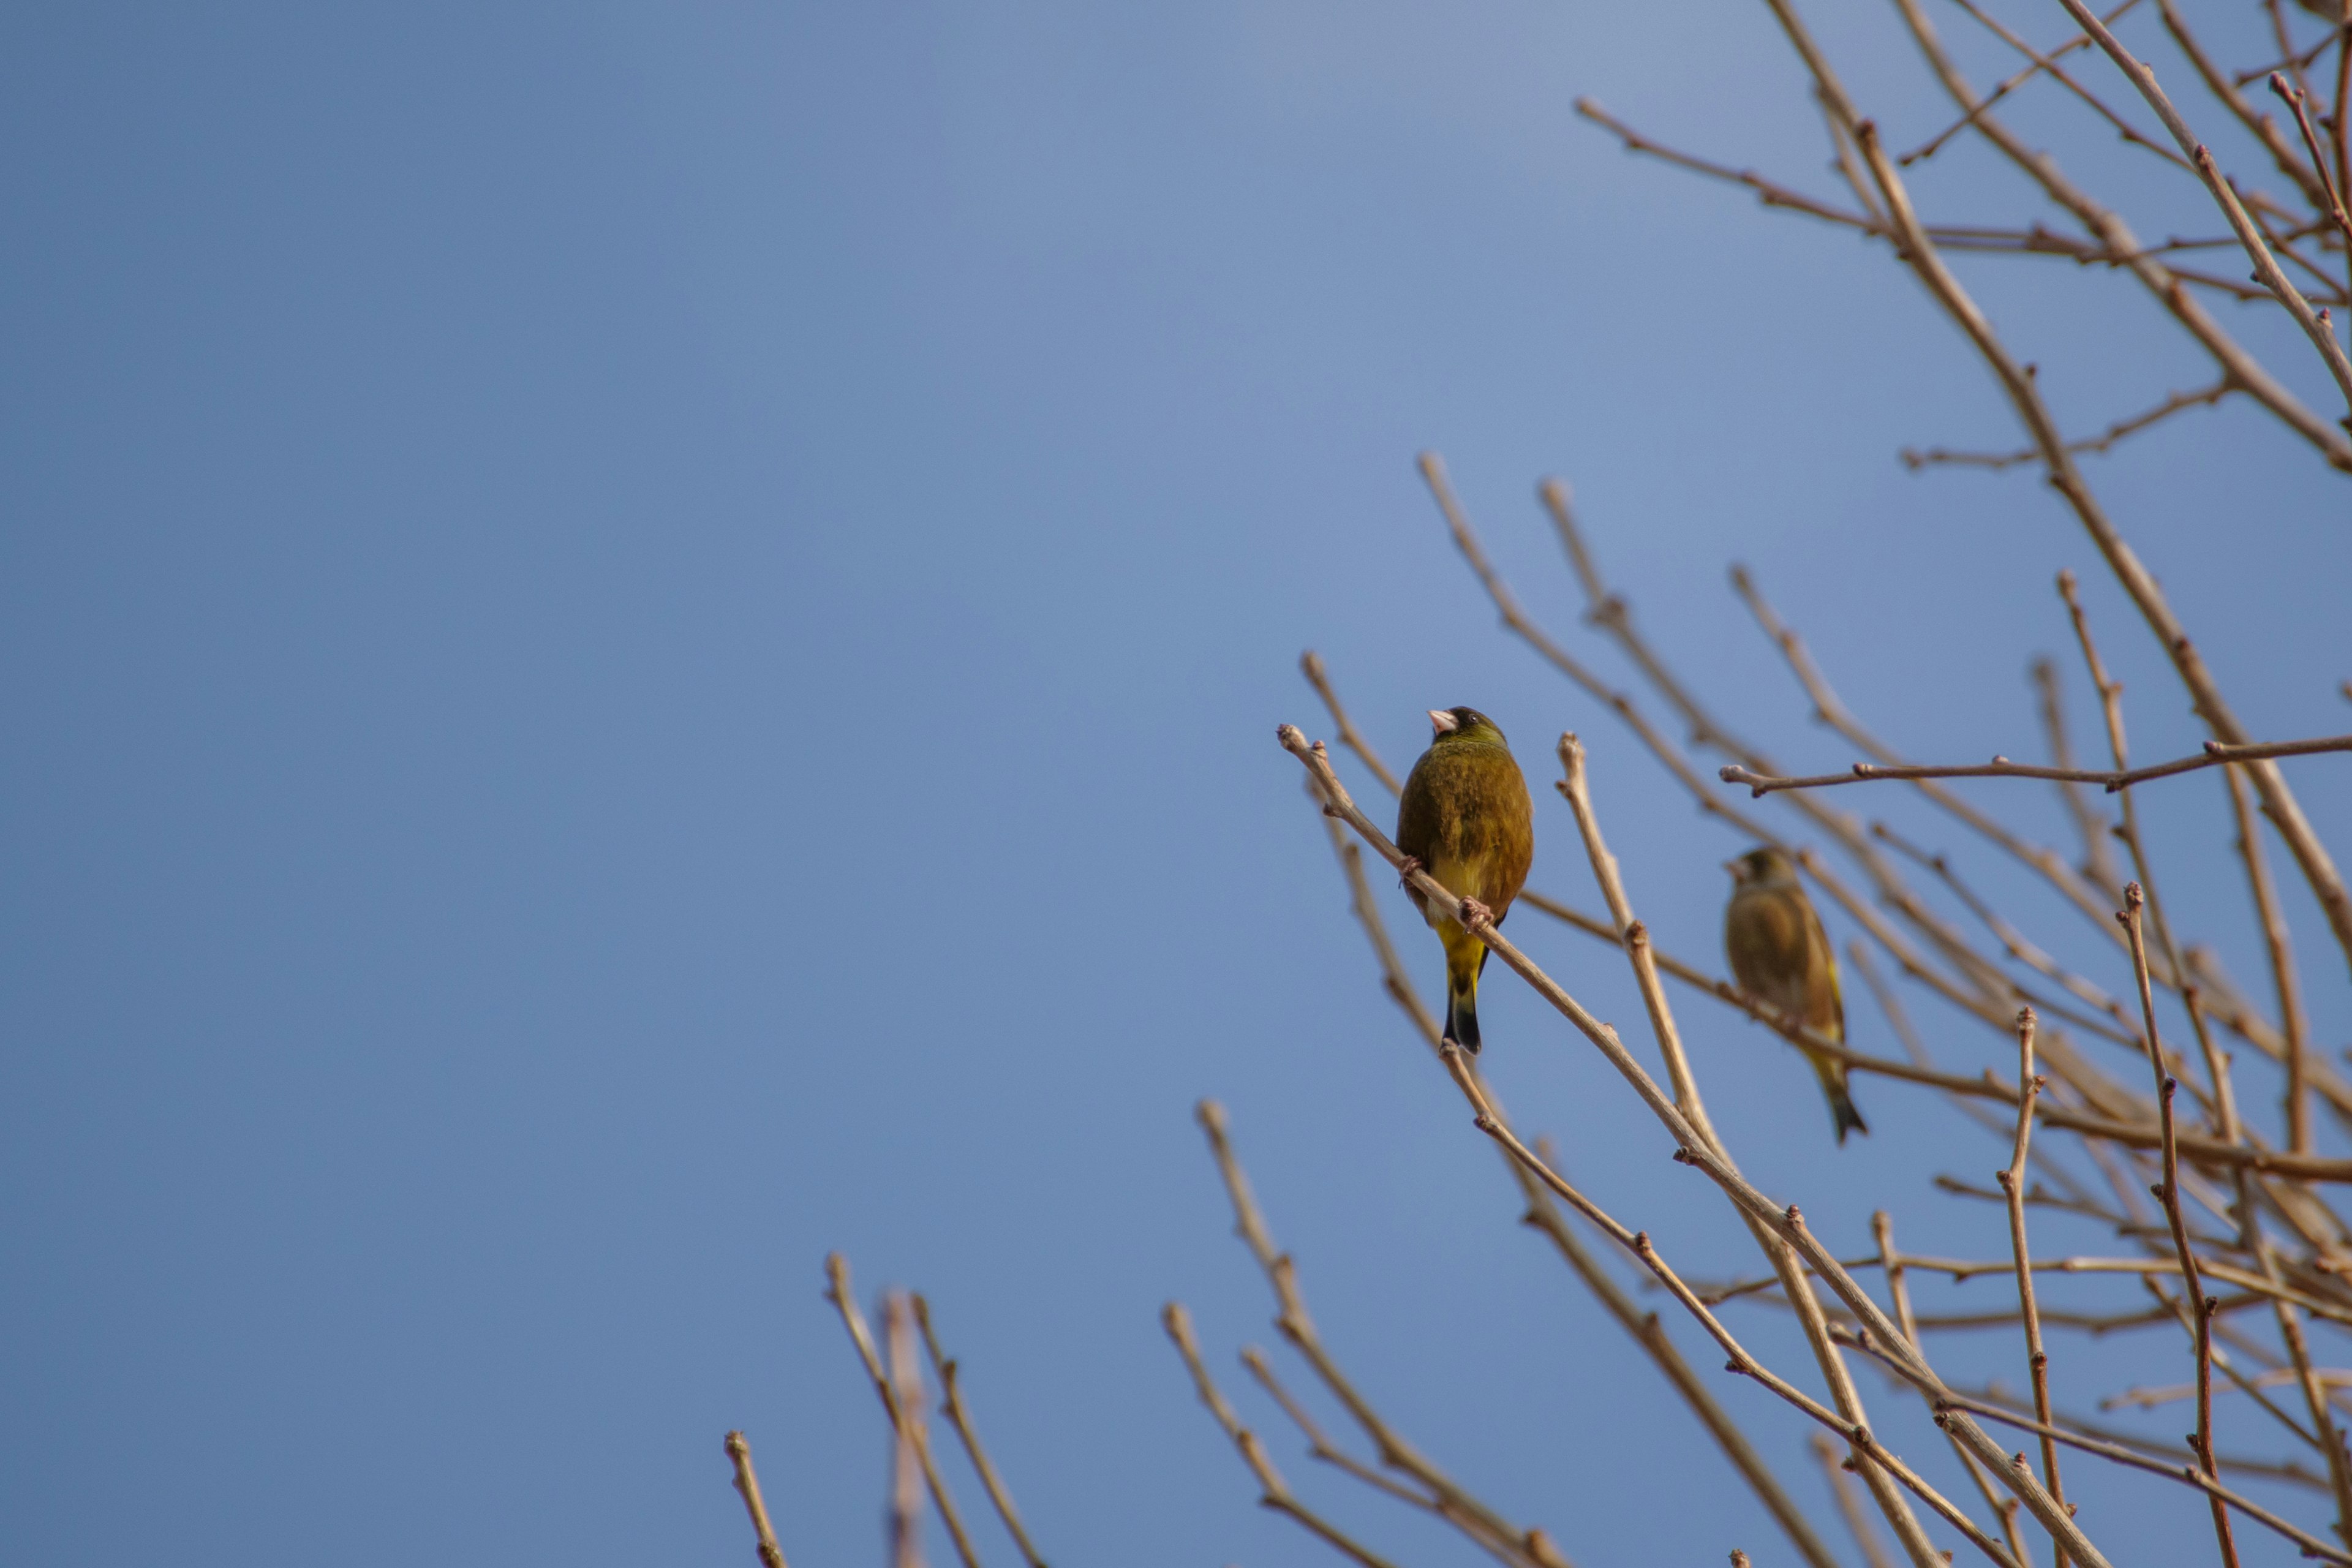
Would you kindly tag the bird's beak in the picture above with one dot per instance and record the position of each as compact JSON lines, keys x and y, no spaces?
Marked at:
{"x":1738,"y":872}
{"x":1443,"y":723}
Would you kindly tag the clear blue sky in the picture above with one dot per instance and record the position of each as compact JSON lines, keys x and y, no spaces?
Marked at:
{"x":645,"y":641}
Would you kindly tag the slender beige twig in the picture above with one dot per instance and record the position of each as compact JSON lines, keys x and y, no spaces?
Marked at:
{"x":1274,"y":1493}
{"x":907,"y":1426}
{"x":2168,"y":1194}
{"x":2214,"y":1490}
{"x":2101,"y":443}
{"x":2012,"y":1184}
{"x":951,"y":1406}
{"x":2114,"y":779}
{"x":1935,"y":143}
{"x":908,"y":1453}
{"x":2125,"y":128}
{"x":2220,"y":1097}
{"x":2098,"y":847}
{"x":2266,"y":266}
{"x":1890,"y":1261}
{"x":1297,"y":1326}
{"x":1693,"y":1150}
{"x":2279,"y":945}
{"x":1319,"y":1445}
{"x":1310,"y":665}
{"x":2264,"y":129}
{"x":747,"y":1483}
{"x":1849,"y":1506}
{"x":1829,"y":709}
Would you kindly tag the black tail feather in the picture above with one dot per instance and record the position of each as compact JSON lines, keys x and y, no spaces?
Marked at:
{"x":1462,"y":1017}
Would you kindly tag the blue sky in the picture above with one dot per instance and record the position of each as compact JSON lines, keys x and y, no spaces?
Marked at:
{"x":645,"y":642}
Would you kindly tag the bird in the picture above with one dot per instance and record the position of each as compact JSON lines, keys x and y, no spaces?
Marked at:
{"x":1464,"y":818}
{"x":1780,"y":954}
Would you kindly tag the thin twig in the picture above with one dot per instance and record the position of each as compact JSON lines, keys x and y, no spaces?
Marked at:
{"x":1466,"y":1513}
{"x":1935,"y":143}
{"x":2012,"y":1184}
{"x":2279,"y":944}
{"x":2168,"y":1194}
{"x":2266,"y":266}
{"x":908,"y":1427}
{"x":951,"y":1406}
{"x":2214,"y":754}
{"x":1849,"y":1506}
{"x":747,"y":1483}
{"x":1310,"y":665}
{"x":909,"y":1454}
{"x":2098,"y":847}
{"x":1272,"y":1491}
{"x":2174,"y":403}
{"x":2220,"y":1495}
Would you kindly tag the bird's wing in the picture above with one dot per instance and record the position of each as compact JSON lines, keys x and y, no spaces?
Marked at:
{"x":1823,"y":963}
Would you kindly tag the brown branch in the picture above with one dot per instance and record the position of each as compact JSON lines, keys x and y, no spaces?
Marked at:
{"x":1310,"y":665}
{"x":2168,"y":1194}
{"x":2286,"y":1471}
{"x":2099,"y":846}
{"x":1849,"y":1506}
{"x":2012,"y":1184}
{"x":1935,"y":143}
{"x":747,"y":1483}
{"x":2262,"y":126}
{"x":2258,"y":250}
{"x":1829,"y":709}
{"x":906,"y":1425}
{"x":2279,"y":944}
{"x":1273,"y":1492}
{"x":1319,"y":1445}
{"x":1467,"y":1513}
{"x":2222,"y":1496}
{"x":1742,"y":1364}
{"x":2214,"y":754}
{"x":1890,"y":1261}
{"x":2124,"y":128}
{"x":2204,"y":397}
{"x":1787,"y":1223}
{"x":906,"y":1467}
{"x":2163,"y":284}
{"x":1768,"y":192}
{"x":2330,"y":199}
{"x":951,"y":1406}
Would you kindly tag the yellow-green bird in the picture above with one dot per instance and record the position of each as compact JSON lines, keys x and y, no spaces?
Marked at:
{"x":1465,"y":817}
{"x":1780,"y":954}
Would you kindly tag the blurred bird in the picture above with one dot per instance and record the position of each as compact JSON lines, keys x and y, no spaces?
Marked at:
{"x":1780,"y":954}
{"x":1465,"y":817}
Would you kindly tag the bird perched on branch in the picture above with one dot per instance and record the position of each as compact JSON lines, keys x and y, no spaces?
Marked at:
{"x":1780,"y":954}
{"x":1465,"y":819}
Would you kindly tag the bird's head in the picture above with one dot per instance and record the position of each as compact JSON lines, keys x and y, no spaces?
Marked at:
{"x":1764,"y":868}
{"x":1464,"y":724}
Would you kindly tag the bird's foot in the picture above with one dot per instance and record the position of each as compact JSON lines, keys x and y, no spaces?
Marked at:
{"x":1474,"y":913}
{"x":1406,"y":867}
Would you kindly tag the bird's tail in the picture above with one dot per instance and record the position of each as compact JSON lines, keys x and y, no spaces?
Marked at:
{"x":1841,"y":1111}
{"x":1465,"y":956}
